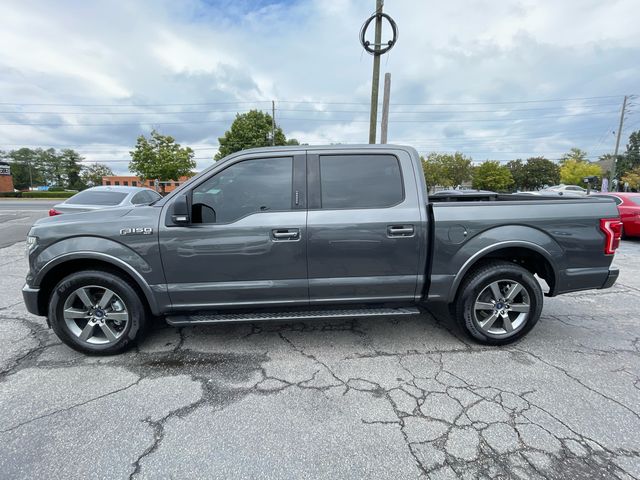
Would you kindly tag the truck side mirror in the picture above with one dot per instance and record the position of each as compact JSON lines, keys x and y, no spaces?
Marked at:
{"x":180,"y":214}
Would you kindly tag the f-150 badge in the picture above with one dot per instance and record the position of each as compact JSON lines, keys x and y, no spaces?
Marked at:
{"x":136,"y":231}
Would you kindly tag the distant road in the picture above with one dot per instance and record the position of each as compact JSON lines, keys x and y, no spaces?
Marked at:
{"x":17,"y":216}
{"x":43,"y":205}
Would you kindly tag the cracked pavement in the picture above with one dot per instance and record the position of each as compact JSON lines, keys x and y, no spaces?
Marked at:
{"x":366,"y":398}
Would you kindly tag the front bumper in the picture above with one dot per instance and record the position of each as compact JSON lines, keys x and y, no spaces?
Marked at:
{"x":30,"y":296}
{"x":611,"y":278}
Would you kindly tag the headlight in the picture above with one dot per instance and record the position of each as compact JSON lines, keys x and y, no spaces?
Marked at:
{"x":32,"y":243}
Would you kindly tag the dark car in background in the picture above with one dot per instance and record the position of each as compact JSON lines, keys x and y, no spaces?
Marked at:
{"x":97,"y":198}
{"x":629,"y":208}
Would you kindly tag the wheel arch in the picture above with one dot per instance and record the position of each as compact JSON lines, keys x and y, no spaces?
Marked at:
{"x":64,"y":265}
{"x":529,"y":255}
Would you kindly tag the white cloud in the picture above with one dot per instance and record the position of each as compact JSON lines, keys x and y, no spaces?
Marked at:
{"x":151,"y":52}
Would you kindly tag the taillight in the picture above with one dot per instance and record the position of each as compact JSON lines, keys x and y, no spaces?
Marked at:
{"x":612,"y":229}
{"x":53,"y":212}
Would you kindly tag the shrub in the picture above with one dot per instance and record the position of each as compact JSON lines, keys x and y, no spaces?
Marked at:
{"x":48,"y":194}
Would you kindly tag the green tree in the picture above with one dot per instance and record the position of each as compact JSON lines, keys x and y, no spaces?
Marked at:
{"x":539,"y":171}
{"x":457,"y":168}
{"x":433,"y":172}
{"x":250,"y":130}
{"x":92,"y":174}
{"x":574,"y":154}
{"x":517,"y":169}
{"x":632,"y":177}
{"x":71,"y":168}
{"x":52,"y":167}
{"x":448,"y":170}
{"x":572,"y":171}
{"x":631,"y":158}
{"x":161,"y":157}
{"x":490,"y":175}
{"x":45,"y":167}
{"x":25,"y":168}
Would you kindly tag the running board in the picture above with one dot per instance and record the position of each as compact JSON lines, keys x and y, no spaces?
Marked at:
{"x":210,"y":318}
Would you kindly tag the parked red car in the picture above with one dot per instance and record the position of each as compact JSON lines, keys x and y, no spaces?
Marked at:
{"x":629,"y":209}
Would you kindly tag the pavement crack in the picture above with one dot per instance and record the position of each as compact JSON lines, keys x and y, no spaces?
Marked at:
{"x":576,"y":379}
{"x":66,"y":409}
{"x":158,"y":436}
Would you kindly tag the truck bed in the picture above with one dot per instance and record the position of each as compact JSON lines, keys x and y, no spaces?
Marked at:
{"x":565,"y":230}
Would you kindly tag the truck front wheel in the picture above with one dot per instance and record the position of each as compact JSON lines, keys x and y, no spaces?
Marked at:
{"x":499,"y":302}
{"x":96,"y":312}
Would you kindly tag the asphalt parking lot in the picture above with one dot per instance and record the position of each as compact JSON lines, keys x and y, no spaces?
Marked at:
{"x":17,"y":216}
{"x":368,"y":398}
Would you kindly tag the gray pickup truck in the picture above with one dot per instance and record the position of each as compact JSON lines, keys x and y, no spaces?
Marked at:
{"x":300,"y":233}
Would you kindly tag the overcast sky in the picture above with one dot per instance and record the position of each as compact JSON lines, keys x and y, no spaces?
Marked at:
{"x":493,"y":79}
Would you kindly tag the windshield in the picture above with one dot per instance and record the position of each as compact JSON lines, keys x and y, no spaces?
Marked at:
{"x":94,"y":197}
{"x":635,"y":199}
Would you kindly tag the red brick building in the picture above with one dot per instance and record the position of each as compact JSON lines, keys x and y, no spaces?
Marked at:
{"x":6,"y":180}
{"x":131,"y":181}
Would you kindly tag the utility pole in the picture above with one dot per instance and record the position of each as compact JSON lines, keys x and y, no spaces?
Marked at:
{"x":30,"y":176}
{"x":375,"y":81}
{"x":615,"y":152}
{"x":619,"y":133}
{"x":384,"y":128}
{"x":273,"y":122}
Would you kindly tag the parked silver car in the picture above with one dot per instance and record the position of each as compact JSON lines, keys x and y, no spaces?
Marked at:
{"x":96,"y":198}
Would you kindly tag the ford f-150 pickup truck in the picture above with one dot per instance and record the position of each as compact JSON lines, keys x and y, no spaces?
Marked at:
{"x":298,"y":233}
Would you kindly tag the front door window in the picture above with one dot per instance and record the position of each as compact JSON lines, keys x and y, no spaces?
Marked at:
{"x":251,"y":186}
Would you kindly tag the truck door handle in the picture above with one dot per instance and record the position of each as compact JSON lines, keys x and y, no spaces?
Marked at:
{"x":280,"y":234}
{"x":400,"y":231}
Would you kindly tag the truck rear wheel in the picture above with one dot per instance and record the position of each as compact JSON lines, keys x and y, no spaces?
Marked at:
{"x":499,"y":302}
{"x":96,"y":312}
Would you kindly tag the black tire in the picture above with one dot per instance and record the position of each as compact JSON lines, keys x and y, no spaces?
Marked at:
{"x":131,"y":332}
{"x":478,"y":281}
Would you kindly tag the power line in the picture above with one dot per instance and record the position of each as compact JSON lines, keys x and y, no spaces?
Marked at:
{"x":193,"y":112}
{"x":466,"y":103}
{"x":131,"y":104}
{"x":347,"y":120}
{"x":141,"y":105}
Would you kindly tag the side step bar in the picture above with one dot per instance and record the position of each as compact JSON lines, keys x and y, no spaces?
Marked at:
{"x":203,"y":318}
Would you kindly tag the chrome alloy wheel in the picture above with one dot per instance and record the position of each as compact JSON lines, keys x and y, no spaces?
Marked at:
{"x":96,"y":315}
{"x":502,"y":308}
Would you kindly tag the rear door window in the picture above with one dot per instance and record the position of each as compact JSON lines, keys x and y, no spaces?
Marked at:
{"x":360,"y":181}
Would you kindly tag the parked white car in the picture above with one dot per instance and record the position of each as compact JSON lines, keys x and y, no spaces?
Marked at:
{"x":573,"y":189}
